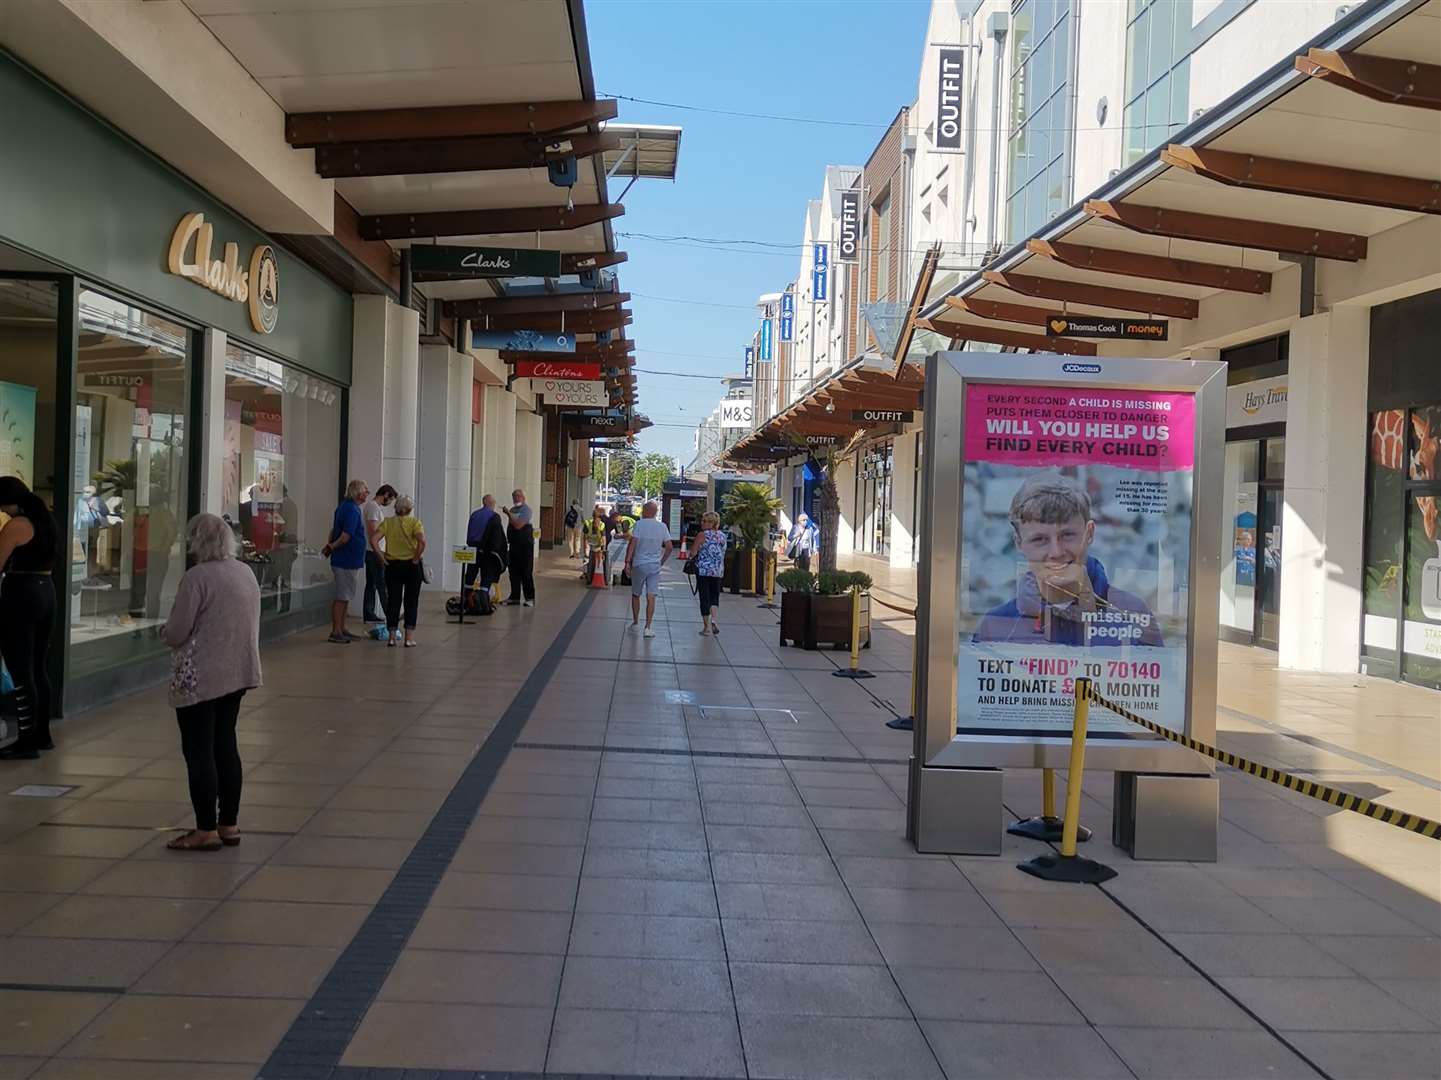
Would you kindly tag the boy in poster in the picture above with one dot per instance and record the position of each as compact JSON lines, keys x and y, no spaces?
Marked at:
{"x":1064,"y":596}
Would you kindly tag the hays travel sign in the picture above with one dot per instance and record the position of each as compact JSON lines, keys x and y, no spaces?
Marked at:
{"x":191,"y":248}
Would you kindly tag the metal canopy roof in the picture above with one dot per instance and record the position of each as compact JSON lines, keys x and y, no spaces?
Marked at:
{"x":647,"y":151}
{"x":1291,"y":149}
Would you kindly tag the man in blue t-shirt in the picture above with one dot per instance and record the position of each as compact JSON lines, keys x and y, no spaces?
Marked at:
{"x":346,"y":550}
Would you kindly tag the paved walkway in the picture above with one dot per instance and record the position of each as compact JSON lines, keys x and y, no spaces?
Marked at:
{"x":542,"y":845}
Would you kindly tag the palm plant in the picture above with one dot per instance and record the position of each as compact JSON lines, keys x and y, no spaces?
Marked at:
{"x":752,"y":509}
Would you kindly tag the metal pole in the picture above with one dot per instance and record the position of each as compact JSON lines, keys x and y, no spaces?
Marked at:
{"x":407,"y":279}
{"x":1075,"y":770}
{"x":1068,"y":866}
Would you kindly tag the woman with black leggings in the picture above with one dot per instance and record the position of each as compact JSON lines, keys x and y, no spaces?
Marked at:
{"x":28,"y":544}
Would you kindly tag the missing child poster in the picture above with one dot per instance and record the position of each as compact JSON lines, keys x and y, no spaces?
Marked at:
{"x":1075,"y":556}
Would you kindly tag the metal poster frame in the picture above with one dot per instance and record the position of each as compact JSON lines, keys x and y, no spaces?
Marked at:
{"x":955,"y":777}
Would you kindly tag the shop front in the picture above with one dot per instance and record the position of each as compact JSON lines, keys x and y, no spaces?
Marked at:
{"x":874,"y":496}
{"x":1254,"y":492}
{"x":1401,"y":632}
{"x":158,"y":357}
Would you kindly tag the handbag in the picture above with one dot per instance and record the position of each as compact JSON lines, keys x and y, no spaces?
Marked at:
{"x":691,"y":567}
{"x":426,"y":575}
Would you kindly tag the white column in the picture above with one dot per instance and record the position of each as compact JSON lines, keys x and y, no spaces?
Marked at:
{"x":457,"y":461}
{"x":431,"y":445}
{"x":1321,"y":538}
{"x":384,"y":393}
{"x":212,"y":423}
{"x":845,"y":476}
{"x":903,"y":500}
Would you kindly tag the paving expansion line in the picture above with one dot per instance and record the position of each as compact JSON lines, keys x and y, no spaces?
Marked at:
{"x":313,"y":1046}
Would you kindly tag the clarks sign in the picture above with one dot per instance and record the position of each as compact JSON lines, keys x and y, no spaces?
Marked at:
{"x":259,"y":287}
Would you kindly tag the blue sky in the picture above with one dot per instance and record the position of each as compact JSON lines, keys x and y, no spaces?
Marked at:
{"x":739,"y":178}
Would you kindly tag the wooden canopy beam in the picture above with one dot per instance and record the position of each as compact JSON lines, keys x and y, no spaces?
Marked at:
{"x":1232,"y":232}
{"x":486,"y":153}
{"x":1153,"y":267}
{"x":1396,"y":82}
{"x":444,"y":122}
{"x":486,"y":222}
{"x":1075,"y":292}
{"x":996,"y":309}
{"x":899,"y":396}
{"x":530,"y":305}
{"x":579,"y":322}
{"x":1307,"y":179}
{"x":996,"y":335}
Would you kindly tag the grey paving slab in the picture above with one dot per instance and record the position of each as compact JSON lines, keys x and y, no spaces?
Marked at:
{"x":646,"y":936}
{"x":649,"y":1043}
{"x":1393,"y":1056}
{"x":646,"y":896}
{"x":1324,"y":1005}
{"x":976,"y":1051}
{"x":816,"y":990}
{"x":832,"y":1048}
{"x":1382,"y":957}
{"x":1018,"y":997}
{"x":1150,"y":1001}
{"x":800,"y":941}
{"x":978,"y":948}
{"x":749,"y":900}
{"x":593,"y":982}
{"x":1260,"y":954}
{"x":1182,"y":1054}
{"x":924,"y":907}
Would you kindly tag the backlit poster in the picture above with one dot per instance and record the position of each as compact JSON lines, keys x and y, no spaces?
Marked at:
{"x":17,"y":431}
{"x":1075,"y":556}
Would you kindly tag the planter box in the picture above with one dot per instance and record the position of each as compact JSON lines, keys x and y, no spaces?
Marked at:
{"x":830,"y":621}
{"x":738,"y":570}
{"x":795,"y":618}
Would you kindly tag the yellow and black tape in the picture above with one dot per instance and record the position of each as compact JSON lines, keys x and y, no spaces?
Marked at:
{"x":1335,"y":797}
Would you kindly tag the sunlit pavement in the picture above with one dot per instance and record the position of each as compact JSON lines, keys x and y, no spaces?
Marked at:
{"x":542,"y":844}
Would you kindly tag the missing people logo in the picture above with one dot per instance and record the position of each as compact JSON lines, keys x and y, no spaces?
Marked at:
{"x":264,"y":289}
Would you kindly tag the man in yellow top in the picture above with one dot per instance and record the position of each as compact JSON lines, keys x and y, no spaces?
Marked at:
{"x":404,"y":537}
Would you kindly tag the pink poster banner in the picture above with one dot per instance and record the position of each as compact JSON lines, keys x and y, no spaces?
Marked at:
{"x":1041,"y":426}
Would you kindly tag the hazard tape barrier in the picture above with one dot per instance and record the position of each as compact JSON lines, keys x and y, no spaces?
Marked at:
{"x":1388,"y":815}
{"x":908,"y":612}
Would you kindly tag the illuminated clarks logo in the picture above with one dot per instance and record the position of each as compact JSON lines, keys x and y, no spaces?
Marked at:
{"x":191,"y":246}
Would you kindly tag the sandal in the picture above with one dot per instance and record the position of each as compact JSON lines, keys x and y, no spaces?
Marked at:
{"x":189,"y":842}
{"x":230,"y":837}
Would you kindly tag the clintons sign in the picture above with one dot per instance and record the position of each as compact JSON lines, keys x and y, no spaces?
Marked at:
{"x":556,"y":369}
{"x":259,"y":287}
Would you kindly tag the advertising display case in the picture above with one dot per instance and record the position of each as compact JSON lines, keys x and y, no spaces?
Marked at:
{"x":1070,"y":508}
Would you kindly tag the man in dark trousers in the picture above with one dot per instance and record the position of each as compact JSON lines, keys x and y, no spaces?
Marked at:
{"x":520,"y":539}
{"x":486,"y":535}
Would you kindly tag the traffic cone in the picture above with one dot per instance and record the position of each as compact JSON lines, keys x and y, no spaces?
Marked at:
{"x":597,"y":574}
{"x":683,"y":555}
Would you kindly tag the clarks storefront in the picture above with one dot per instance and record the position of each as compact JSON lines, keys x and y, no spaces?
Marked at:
{"x":158,"y":356}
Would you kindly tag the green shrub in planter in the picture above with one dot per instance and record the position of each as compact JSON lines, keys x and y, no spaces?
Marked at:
{"x":796,"y":580}
{"x":799,"y":586}
{"x":833,"y":582}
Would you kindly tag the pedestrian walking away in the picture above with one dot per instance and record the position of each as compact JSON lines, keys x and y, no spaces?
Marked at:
{"x":804,"y":541}
{"x":404,"y":537}
{"x":520,"y":539}
{"x":346,"y":550}
{"x":214,"y":635}
{"x":486,"y":535}
{"x":650,"y":546}
{"x":573,"y":530}
{"x":710,"y":562}
{"x":374,"y":514}
{"x":29,"y":543}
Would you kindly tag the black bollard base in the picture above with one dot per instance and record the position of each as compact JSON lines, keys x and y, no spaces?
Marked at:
{"x":847,"y":673}
{"x":769,"y":606}
{"x":1075,"y":870}
{"x":901,"y":723}
{"x":1046,"y":829}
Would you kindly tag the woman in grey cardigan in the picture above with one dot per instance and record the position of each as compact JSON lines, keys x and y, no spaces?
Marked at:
{"x":214,"y":630}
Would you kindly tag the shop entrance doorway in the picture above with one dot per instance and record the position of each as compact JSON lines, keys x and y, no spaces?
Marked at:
{"x":1251,"y":542}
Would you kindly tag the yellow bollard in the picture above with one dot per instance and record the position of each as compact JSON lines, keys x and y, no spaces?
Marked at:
{"x":1076,"y":769}
{"x":755,"y":582}
{"x":855,"y":671}
{"x":1068,"y":866}
{"x":770,"y":583}
{"x":1048,"y":793}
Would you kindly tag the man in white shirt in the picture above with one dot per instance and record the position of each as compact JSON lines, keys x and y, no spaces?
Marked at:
{"x":650,"y":546}
{"x":374,"y":513}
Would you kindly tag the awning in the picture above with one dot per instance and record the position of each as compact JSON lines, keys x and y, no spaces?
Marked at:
{"x":441,"y":124}
{"x":854,"y":400}
{"x":1314,"y":160}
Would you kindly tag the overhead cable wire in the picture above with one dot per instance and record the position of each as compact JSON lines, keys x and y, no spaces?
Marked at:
{"x":748,"y":115}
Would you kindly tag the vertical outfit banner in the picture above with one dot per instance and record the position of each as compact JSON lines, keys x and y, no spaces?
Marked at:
{"x":950,"y":65}
{"x":850,"y":245}
{"x":788,"y":316}
{"x":820,"y":272}
{"x":750,"y":360}
{"x":1075,"y":556}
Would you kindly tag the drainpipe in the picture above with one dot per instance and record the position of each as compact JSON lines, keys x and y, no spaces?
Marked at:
{"x":999,"y":25}
{"x":968,"y":216}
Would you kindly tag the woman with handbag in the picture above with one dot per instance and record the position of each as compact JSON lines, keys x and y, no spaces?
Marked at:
{"x":404,"y":537}
{"x":709,"y":561}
